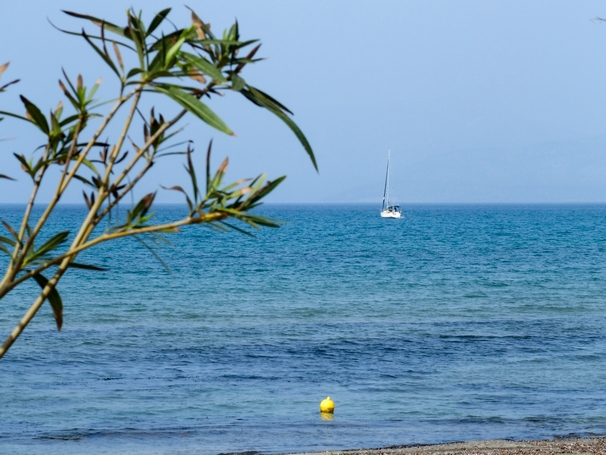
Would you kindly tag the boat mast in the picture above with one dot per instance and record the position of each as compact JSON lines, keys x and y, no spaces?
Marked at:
{"x":388,"y":180}
{"x":386,"y":184}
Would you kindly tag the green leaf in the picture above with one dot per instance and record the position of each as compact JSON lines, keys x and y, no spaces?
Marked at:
{"x":55,"y":125}
{"x":2,"y":176}
{"x":139,"y":211}
{"x":50,"y":244}
{"x":172,"y":38}
{"x":93,"y":90}
{"x":24,"y":164}
{"x":261,"y":99}
{"x":53,"y":298}
{"x":263,"y":221}
{"x":7,"y":240}
{"x":189,"y":167}
{"x":37,"y":117}
{"x":237,"y":83}
{"x":5,"y":250}
{"x":95,"y":20}
{"x":295,"y":129}
{"x":157,"y":20}
{"x":181,"y":190}
{"x":172,"y":52}
{"x":104,"y":56}
{"x":204,"y":66}
{"x":84,"y":180}
{"x":133,"y":72}
{"x":233,"y":32}
{"x":10,"y":229}
{"x":69,"y":120}
{"x":226,"y":42}
{"x":2,"y":88}
{"x":196,"y":107}
{"x":268,"y":188}
{"x":77,"y":265}
{"x":156,"y":255}
{"x":216,"y":181}
{"x":269,"y":99}
{"x":90,"y":165}
{"x":135,"y":32}
{"x":20,"y":117}
{"x":233,"y":185}
{"x":236,"y":228}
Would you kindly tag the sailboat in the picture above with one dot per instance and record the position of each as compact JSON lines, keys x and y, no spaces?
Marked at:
{"x":389,"y":210}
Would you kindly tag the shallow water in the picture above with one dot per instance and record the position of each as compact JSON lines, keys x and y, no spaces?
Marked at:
{"x":455,"y":323}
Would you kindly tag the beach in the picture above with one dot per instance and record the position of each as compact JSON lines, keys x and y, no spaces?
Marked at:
{"x":562,"y":446}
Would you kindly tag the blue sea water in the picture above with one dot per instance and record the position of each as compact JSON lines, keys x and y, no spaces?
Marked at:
{"x":455,"y":323}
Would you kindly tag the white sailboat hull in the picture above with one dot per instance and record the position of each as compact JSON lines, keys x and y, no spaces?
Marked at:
{"x":390,"y":214}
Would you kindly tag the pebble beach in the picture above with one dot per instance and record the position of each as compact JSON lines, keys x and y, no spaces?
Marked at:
{"x":562,"y":446}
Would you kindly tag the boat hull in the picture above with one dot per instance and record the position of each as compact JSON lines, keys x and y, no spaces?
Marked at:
{"x":390,"y":214}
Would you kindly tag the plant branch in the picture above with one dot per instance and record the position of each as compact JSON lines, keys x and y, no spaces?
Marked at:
{"x":33,"y":309}
{"x":14,"y":266}
{"x":63,"y":185}
{"x":116,"y":151}
{"x":73,"y":251}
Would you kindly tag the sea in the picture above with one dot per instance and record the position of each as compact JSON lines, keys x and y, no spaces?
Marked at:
{"x":457,"y":322}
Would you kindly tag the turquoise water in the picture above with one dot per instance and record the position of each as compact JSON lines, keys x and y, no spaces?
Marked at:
{"x":455,"y":323}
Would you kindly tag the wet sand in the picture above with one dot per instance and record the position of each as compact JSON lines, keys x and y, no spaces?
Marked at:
{"x":581,"y":446}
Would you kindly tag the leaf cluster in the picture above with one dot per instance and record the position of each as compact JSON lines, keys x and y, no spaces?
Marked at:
{"x":188,"y":66}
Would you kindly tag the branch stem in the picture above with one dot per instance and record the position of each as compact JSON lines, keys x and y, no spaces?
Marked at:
{"x":33,"y":309}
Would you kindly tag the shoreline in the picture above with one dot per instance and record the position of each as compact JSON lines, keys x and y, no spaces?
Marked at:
{"x":561,"y":446}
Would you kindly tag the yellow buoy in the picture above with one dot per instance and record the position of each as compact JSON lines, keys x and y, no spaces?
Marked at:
{"x":327,"y":405}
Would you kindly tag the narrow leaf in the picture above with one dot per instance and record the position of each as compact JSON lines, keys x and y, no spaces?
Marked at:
{"x":156,"y":255}
{"x":7,"y":240}
{"x":99,"y":22}
{"x":171,"y":39}
{"x":199,"y":25}
{"x":269,"y":99}
{"x":172,"y":52}
{"x":157,"y":20}
{"x":53,"y":298}
{"x":118,"y":56}
{"x":50,"y":245}
{"x":210,"y":146}
{"x":20,"y":117}
{"x":192,"y":174}
{"x":237,"y":83}
{"x":269,"y":103}
{"x":77,"y":265}
{"x":236,"y":228}
{"x":268,"y":188}
{"x":248,"y":58}
{"x":37,"y":117}
{"x":10,"y":229}
{"x":105,"y":57}
{"x":196,"y":107}
{"x":178,"y":188}
{"x":203,"y":65}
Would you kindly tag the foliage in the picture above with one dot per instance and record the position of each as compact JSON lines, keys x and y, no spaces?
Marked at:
{"x":185,"y":65}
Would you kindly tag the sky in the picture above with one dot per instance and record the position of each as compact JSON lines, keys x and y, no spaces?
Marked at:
{"x":500,"y":101}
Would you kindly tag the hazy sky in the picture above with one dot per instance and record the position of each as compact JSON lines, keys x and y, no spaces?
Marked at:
{"x":500,"y":101}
